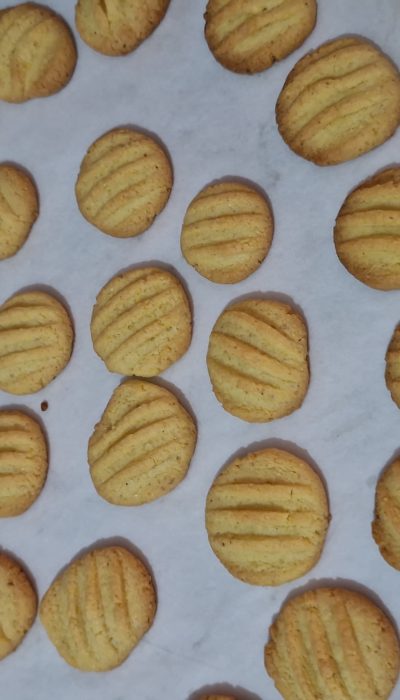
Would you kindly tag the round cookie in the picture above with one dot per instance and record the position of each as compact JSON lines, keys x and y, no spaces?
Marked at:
{"x":36,"y":338}
{"x":267,"y":516}
{"x":339,"y":101}
{"x":332,"y":643}
{"x":392,"y":373}
{"x":37,"y":52}
{"x":386,"y":526}
{"x":141,"y":322}
{"x":125,"y":180}
{"x":248,"y":37}
{"x":227,"y":231}
{"x":258,"y":359}
{"x":142,"y":446}
{"x":19,"y":208}
{"x":98,"y":609}
{"x":23,"y":462}
{"x":116,"y":28}
{"x":217,"y":697}
{"x":18,"y":605}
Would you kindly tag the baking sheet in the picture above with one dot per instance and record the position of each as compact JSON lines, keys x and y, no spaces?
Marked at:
{"x":210,"y":628}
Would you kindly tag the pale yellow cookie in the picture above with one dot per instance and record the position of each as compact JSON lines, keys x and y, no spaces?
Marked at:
{"x":19,"y":208}
{"x":392,"y":373}
{"x":37,"y":52}
{"x":117,"y":27}
{"x":18,"y":605}
{"x":141,"y":322}
{"x":23,"y":462}
{"x":36,"y":338}
{"x":142,"y":446}
{"x":386,"y":526}
{"x":258,"y":359}
{"x":248,"y":36}
{"x":124,"y":181}
{"x":339,"y":101}
{"x":98,"y":609}
{"x":332,"y":644}
{"x":267,"y":516}
{"x":227,"y":231}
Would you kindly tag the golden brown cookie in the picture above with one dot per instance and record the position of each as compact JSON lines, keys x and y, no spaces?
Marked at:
{"x":98,"y":609}
{"x":392,"y":374}
{"x":37,"y":52}
{"x":267,"y":516}
{"x":332,"y":643}
{"x":36,"y":339}
{"x":23,"y":462}
{"x":257,"y":359}
{"x":386,"y":526}
{"x":18,"y":605}
{"x":217,"y":697}
{"x":116,"y":28}
{"x":124,"y":181}
{"x":19,"y":208}
{"x":141,"y":322}
{"x":248,"y":36}
{"x":142,"y":446}
{"x":227,"y":231}
{"x":339,"y":101}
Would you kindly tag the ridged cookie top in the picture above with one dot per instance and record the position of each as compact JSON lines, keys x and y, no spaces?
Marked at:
{"x":392,"y":373}
{"x":18,"y":605}
{"x":267,"y":517}
{"x":339,"y":101}
{"x":141,"y":322}
{"x":23,"y":462}
{"x":142,"y":446}
{"x":37,"y":52}
{"x":227,"y":231}
{"x":248,"y":36}
{"x":367,"y":231}
{"x":116,"y":28}
{"x":386,"y":526}
{"x":124,"y":181}
{"x":36,"y":339}
{"x":19,"y":208}
{"x":99,"y":608}
{"x":257,"y":359}
{"x":332,"y":643}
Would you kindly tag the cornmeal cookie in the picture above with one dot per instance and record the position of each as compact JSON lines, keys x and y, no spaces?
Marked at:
{"x":386,"y":526}
{"x":142,"y":446}
{"x":267,"y":516}
{"x":18,"y":605}
{"x":37,"y":52}
{"x":227,"y":231}
{"x":19,"y":208}
{"x":339,"y":101}
{"x":257,"y":360}
{"x":23,"y":462}
{"x":332,"y":643}
{"x":124,"y":181}
{"x":248,"y":37}
{"x":116,"y":28}
{"x":98,"y":609}
{"x":367,"y":231}
{"x":392,"y":374}
{"x":36,"y":339}
{"x":141,"y":322}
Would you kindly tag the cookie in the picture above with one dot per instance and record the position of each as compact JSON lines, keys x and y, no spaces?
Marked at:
{"x":23,"y":462}
{"x":386,"y":525}
{"x":37,"y":52}
{"x":141,"y":322}
{"x":367,"y":231}
{"x":19,"y":208}
{"x":227,"y":231}
{"x":267,"y":516}
{"x":332,"y":643}
{"x":248,"y":37}
{"x":217,"y":697}
{"x":124,"y":181}
{"x":116,"y":28}
{"x":257,"y":359}
{"x":98,"y":609}
{"x":392,"y":373}
{"x":339,"y":101}
{"x":142,"y":446}
{"x":36,"y":339}
{"x":18,"y":605}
